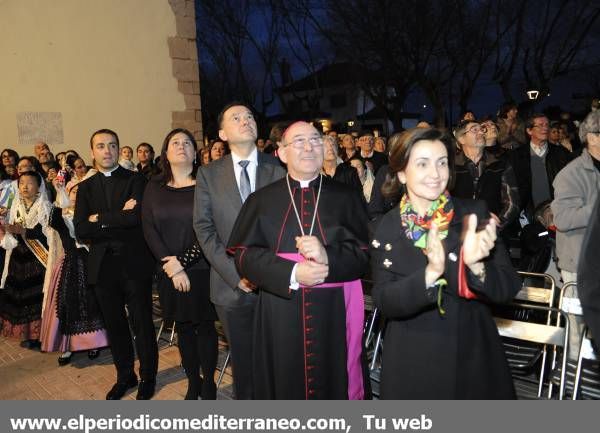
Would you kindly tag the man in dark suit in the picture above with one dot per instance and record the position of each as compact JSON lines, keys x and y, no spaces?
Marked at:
{"x":368,"y":154}
{"x":537,"y":165}
{"x":107,"y":216}
{"x":221,"y":188}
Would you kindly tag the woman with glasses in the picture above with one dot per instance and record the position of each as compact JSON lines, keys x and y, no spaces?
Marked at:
{"x":436,"y":266}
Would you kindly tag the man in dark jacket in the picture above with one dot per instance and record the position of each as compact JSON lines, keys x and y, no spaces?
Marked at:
{"x":481,"y":175}
{"x":107,"y":217}
{"x":537,"y":165}
{"x":368,"y":154}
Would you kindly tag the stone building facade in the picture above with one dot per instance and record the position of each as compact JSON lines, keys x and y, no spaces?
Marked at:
{"x":184,"y":54}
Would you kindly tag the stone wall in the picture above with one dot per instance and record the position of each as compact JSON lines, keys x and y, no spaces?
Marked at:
{"x":184,"y":55}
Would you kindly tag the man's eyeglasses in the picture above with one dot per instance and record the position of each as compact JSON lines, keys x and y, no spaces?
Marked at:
{"x":477,"y":129}
{"x":300,"y":142}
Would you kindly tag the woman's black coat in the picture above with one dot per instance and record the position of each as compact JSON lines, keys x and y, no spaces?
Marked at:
{"x":426,"y":355}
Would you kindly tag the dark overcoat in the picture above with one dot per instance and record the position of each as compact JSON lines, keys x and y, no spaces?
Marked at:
{"x":426,"y":355}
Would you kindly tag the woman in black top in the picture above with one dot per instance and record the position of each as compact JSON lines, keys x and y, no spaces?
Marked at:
{"x":183,"y":279}
{"x":335,"y":168}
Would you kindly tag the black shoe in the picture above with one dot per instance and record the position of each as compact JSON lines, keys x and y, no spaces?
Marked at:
{"x":65,"y":358}
{"x":93,"y":354}
{"x":120,"y":388}
{"x":145,"y":390}
{"x":193,"y":391}
{"x":209,"y":390}
{"x":31,"y":344}
{"x":192,"y":394}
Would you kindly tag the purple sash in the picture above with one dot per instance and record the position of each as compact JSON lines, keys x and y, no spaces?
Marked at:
{"x":355,"y":317}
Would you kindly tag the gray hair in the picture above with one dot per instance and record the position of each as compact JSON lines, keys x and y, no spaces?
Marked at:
{"x":590,"y":124}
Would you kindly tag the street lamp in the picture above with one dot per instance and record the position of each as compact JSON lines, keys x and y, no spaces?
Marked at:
{"x":533,"y":94}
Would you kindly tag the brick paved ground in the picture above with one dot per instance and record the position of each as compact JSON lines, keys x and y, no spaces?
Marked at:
{"x":31,"y":375}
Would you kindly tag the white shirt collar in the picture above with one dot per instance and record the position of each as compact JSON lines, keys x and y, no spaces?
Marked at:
{"x":109,"y":173}
{"x":253,"y":158}
{"x":539,"y":150}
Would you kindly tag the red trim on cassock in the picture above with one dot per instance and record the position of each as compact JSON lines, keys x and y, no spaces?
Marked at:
{"x":285,"y":218}
{"x":241,"y":264}
{"x":319,"y":220}
{"x":304,"y":346}
{"x":302,"y":207}
{"x":231,"y":250}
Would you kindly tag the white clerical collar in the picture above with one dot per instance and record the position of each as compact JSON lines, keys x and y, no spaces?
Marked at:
{"x":253,"y":157}
{"x":305,"y":183}
{"x":110,"y":172}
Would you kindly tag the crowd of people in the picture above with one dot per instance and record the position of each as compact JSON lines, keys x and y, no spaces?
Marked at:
{"x":272,"y":238}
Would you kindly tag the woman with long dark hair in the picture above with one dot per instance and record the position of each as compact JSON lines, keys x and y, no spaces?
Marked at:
{"x":434,"y":274}
{"x":9,"y":163}
{"x":183,"y":277}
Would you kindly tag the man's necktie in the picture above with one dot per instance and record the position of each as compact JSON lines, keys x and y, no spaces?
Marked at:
{"x":245,"y":188}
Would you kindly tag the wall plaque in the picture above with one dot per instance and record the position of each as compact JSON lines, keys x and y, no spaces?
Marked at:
{"x":34,"y":126}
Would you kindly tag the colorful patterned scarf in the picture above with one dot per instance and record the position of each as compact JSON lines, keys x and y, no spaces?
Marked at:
{"x":416,"y":227}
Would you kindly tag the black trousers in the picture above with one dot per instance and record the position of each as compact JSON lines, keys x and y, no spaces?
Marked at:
{"x":238,"y":323}
{"x":115,"y":291}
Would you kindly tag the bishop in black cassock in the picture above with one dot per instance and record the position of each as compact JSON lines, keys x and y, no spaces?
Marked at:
{"x":305,"y":258}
